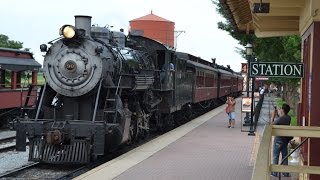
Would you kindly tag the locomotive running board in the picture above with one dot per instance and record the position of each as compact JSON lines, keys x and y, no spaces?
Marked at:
{"x":77,"y":152}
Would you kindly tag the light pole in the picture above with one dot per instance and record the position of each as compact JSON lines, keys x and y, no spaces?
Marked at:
{"x":248,"y":56}
{"x":251,"y":130}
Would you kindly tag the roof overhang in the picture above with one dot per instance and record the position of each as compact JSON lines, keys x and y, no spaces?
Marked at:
{"x":18,"y":64}
{"x":239,"y":14}
{"x":272,"y":17}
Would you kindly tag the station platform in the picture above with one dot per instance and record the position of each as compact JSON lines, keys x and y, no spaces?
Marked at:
{"x":204,"y":148}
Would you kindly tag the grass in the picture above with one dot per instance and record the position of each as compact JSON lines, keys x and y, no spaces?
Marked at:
{"x":40,"y":79}
{"x":293,"y":116}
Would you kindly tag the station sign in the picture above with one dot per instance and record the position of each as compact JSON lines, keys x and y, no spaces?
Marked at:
{"x":276,"y":69}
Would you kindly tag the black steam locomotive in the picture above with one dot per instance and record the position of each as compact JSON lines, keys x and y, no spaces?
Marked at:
{"x":104,"y":89}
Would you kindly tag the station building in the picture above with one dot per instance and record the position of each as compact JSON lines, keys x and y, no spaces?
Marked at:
{"x":270,"y":18}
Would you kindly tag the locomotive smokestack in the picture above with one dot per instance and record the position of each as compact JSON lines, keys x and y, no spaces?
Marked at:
{"x":83,"y":22}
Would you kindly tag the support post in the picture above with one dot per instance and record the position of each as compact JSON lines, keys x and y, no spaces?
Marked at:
{"x":13,"y":80}
{"x":251,"y":131}
{"x":34,"y":78}
{"x":247,"y":118}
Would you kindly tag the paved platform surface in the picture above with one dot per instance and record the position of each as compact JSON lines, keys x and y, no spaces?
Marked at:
{"x":201,"y":149}
{"x":209,"y":151}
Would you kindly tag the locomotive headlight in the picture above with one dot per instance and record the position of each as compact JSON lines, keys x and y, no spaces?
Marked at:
{"x":68,"y":31}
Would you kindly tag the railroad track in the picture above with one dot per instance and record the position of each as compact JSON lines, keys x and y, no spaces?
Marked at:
{"x":41,"y":171}
{"x":7,"y":144}
{"x":62,"y":172}
{"x":14,"y":172}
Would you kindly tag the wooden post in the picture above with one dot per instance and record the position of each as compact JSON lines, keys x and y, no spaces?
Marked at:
{"x":18,"y":79}
{"x":13,"y":80}
{"x":34,"y":78}
{"x":2,"y":78}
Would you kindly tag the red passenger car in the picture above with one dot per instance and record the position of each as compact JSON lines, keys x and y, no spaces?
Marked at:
{"x":205,"y":82}
{"x":239,"y":84}
{"x":225,"y":83}
{"x":18,"y":70}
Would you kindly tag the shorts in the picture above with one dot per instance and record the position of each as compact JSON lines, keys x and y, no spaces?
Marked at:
{"x":232,"y":115}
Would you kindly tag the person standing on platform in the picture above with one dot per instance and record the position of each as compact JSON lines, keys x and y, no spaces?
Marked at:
{"x":230,"y":110}
{"x":280,"y":144}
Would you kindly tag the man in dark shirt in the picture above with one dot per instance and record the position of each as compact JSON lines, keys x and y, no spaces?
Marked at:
{"x":280,"y":144}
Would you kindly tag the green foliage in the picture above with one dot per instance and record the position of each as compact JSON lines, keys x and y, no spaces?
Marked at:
{"x":40,"y":79}
{"x":279,"y":103}
{"x":227,"y":26}
{"x":6,"y":43}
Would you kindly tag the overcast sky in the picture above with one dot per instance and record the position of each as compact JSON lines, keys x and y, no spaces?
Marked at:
{"x":35,"y":22}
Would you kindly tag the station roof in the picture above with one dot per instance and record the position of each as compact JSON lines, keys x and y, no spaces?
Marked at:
{"x":16,"y":64}
{"x":265,"y":18}
{"x":151,"y":17}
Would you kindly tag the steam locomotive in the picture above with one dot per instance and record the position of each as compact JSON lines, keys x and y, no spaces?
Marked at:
{"x":104,"y":89}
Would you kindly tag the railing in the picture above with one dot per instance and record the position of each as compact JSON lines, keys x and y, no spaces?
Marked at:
{"x":263,"y":166}
{"x":257,"y":110}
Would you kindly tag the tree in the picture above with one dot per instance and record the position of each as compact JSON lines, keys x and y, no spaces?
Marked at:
{"x":6,"y":43}
{"x":273,"y":49}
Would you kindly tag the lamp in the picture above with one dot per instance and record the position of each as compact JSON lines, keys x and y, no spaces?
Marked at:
{"x":249,"y":49}
{"x":249,"y":53}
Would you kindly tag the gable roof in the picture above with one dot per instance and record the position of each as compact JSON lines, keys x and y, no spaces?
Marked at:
{"x":150,"y":17}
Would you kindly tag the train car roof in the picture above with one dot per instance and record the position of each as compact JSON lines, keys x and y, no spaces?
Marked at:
{"x":159,"y":44}
{"x":198,"y":65}
{"x":17,"y":60}
{"x":238,"y":74}
{"x":183,"y":55}
{"x":199,"y":62}
{"x":224,"y":71}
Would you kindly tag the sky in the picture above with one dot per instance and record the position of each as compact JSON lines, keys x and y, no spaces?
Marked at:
{"x":36,"y":22}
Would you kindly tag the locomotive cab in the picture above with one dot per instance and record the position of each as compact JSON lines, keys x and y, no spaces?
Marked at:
{"x":164,"y":60}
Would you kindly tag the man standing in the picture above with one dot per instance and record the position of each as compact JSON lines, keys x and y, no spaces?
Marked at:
{"x":280,"y":144}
